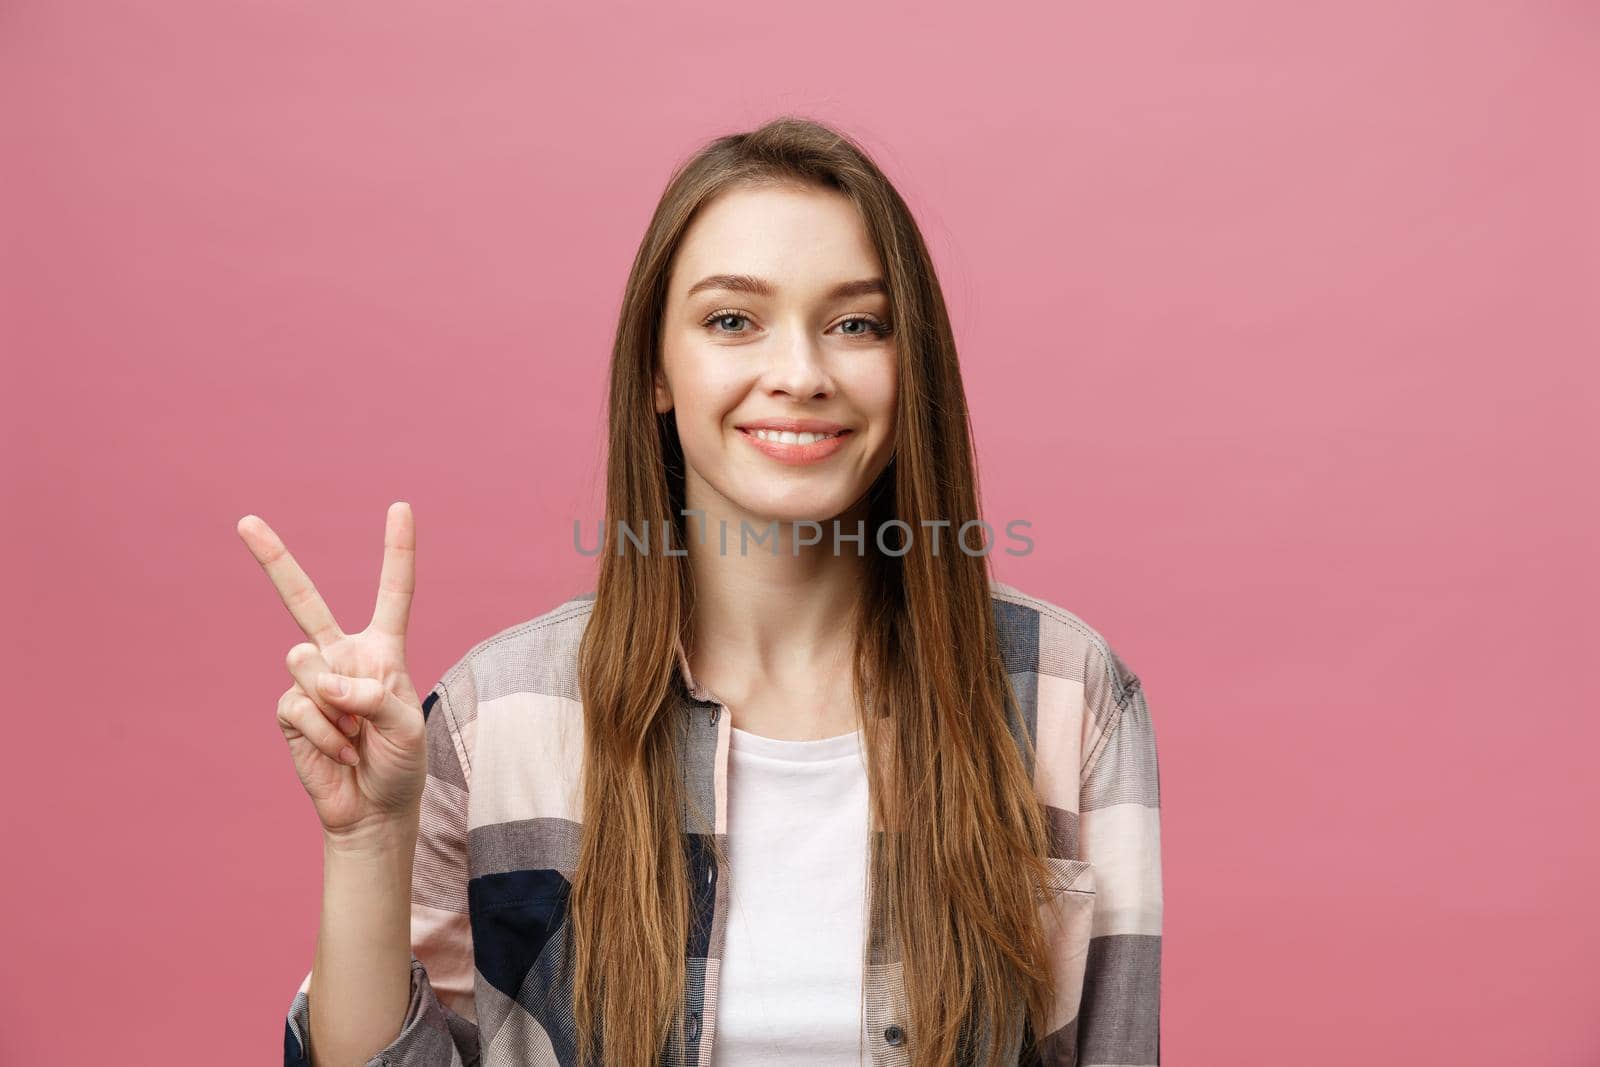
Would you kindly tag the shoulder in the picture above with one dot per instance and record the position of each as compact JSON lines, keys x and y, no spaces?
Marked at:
{"x":1047,"y":637}
{"x":538,"y":655}
{"x":1045,"y":644}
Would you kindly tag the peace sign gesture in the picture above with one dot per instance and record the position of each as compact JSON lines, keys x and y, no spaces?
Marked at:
{"x":360,"y":751}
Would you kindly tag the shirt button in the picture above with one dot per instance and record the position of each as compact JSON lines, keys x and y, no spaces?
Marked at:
{"x":894,"y":1035}
{"x":694,"y":1025}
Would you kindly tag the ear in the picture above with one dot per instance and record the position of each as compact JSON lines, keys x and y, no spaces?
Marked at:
{"x":663,"y":394}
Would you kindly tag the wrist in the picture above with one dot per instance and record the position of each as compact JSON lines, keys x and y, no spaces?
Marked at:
{"x":394,"y":835}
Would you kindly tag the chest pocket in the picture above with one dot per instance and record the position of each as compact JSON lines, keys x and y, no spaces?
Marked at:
{"x":1067,"y":914}
{"x":519,"y":931}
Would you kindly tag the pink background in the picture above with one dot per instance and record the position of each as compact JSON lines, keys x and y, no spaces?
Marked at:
{"x":1279,"y":323}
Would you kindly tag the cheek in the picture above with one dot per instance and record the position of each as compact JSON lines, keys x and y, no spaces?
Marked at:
{"x":706,"y":393}
{"x":875,"y":390}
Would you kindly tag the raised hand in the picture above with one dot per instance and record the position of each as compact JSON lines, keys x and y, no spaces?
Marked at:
{"x":361,"y":753}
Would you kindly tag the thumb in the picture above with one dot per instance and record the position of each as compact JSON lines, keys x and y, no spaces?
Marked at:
{"x":369,"y":699}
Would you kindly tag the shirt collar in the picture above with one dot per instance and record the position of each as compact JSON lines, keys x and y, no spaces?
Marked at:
{"x":694,"y":688}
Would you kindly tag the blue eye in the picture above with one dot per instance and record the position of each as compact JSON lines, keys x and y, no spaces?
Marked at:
{"x":722,"y":316}
{"x":873,"y":327}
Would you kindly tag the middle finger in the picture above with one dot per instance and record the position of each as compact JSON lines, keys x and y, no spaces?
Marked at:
{"x":305,"y":604}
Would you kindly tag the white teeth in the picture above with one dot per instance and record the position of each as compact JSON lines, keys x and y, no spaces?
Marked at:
{"x":789,"y":437}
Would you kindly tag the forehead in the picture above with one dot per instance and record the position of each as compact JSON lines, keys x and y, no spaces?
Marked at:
{"x":800,"y":238}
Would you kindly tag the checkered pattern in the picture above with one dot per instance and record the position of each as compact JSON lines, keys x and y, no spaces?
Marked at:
{"x":501,"y":815}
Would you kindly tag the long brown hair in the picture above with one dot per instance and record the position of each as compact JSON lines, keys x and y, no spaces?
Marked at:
{"x":957,"y":877}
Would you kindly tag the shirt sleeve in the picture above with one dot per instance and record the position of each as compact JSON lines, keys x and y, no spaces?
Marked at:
{"x":440,"y":1025}
{"x":1119,"y":1017}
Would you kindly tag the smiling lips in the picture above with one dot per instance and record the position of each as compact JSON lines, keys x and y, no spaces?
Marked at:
{"x":795,"y":441}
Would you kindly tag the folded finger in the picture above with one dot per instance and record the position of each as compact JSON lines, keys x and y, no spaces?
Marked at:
{"x":367,"y":698}
{"x":305,"y":662}
{"x":299,"y":712}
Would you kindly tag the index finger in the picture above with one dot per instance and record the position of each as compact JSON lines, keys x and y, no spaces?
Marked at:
{"x":305,"y":604}
{"x":398,"y":579}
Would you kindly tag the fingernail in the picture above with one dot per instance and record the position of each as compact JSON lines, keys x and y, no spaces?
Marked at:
{"x":348,"y":724}
{"x":332,"y":684}
{"x":348,"y":754}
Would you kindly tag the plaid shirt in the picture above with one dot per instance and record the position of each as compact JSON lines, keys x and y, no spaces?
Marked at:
{"x":499,"y":832}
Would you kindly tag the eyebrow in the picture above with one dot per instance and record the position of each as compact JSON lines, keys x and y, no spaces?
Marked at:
{"x":745,"y":283}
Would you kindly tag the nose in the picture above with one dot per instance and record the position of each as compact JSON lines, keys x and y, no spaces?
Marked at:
{"x":798,"y":369}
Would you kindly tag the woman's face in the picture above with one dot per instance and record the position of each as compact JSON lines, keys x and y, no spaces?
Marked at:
{"x":774,"y":332}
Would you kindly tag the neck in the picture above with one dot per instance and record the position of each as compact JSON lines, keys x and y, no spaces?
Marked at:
{"x":765,"y":619}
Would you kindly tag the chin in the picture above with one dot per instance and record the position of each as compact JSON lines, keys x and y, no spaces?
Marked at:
{"x":812,"y":508}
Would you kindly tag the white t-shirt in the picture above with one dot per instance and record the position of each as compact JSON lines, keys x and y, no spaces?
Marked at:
{"x":790,"y":985}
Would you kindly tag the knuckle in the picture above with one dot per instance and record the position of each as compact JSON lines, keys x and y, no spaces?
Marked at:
{"x":302,"y":713}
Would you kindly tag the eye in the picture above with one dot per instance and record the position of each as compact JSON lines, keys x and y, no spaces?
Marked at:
{"x":722,"y":317}
{"x":865,"y":326}
{"x":872,"y":326}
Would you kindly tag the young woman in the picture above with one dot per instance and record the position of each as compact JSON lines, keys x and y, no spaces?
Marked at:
{"x":799,"y":782}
